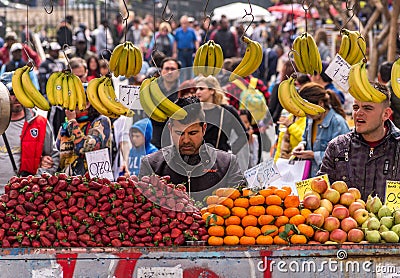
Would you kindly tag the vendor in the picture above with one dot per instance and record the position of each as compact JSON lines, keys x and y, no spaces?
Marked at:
{"x":188,"y":160}
{"x":369,"y":155}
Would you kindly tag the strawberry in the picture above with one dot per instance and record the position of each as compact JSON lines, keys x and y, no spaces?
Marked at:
{"x":62,"y":176}
{"x":64,"y":212}
{"x":56,"y":215}
{"x":134,"y":225}
{"x":188,"y":220}
{"x":83,"y":188}
{"x":61,"y":185}
{"x":78,"y":194}
{"x":25,"y":242}
{"x":35,"y":243}
{"x":116,"y":210}
{"x":145,"y":225}
{"x":61,"y":205}
{"x":180,"y":216}
{"x":105,"y":190}
{"x":25,"y":226}
{"x":15,"y":225}
{"x":147,"y":239}
{"x":30,"y":206}
{"x":154,"y":229}
{"x":139,"y":212}
{"x":80,"y":203}
{"x":116,"y":203}
{"x":94,"y":193}
{"x":81,"y":230}
{"x":147,"y":206}
{"x":157,"y":237}
{"x":39,"y":200}
{"x":174,"y":223}
{"x":127,"y":204}
{"x":80,"y":215}
{"x":52,"y":180}
{"x":48,"y":196}
{"x":28,"y":219}
{"x":124,"y":227}
{"x":2,"y":232}
{"x":156,"y":221}
{"x":93,"y":230}
{"x":71,"y":201}
{"x":105,"y":207}
{"x":65,"y":244}
{"x":76,"y":180}
{"x":120,"y":193}
{"x":201,"y":231}
{"x":172,"y":214}
{"x":194,"y":226}
{"x":106,"y":240}
{"x":175,"y":232}
{"x":146,"y":216}
{"x":67,"y":220}
{"x":12,"y":203}
{"x":182,"y":226}
{"x":121,"y":218}
{"x":179,"y":240}
{"x":165,"y":229}
{"x":131,"y":232}
{"x":89,"y":208}
{"x":73,"y":209}
{"x":21,"y":199}
{"x":84,"y":237}
{"x":20,"y":209}
{"x":114,"y":234}
{"x":88,"y":221}
{"x":132,"y":218}
{"x":116,"y":242}
{"x":110,"y":221}
{"x":127,"y":211}
{"x":52,"y":205}
{"x":71,"y":188}
{"x":61,"y":235}
{"x":95,"y":185}
{"x":141,"y":232}
{"x":164,"y":218}
{"x":43,"y":241}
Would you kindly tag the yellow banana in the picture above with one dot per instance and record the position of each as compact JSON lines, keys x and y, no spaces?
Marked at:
{"x":73,"y":94}
{"x":286,"y":99}
{"x":19,"y":92}
{"x":58,"y":83}
{"x":33,"y":93}
{"x":107,"y":97}
{"x":210,"y":60}
{"x":315,"y":57}
{"x":361,"y":45}
{"x":308,"y":107}
{"x":123,"y":61}
{"x":138,"y":59}
{"x":65,"y":92}
{"x":165,"y":104}
{"x":115,"y":57}
{"x":147,"y":103}
{"x":297,"y":55}
{"x":219,"y":58}
{"x":131,"y":60}
{"x":203,"y":59}
{"x":80,"y":92}
{"x":354,"y":48}
{"x":50,"y":89}
{"x":93,"y":97}
{"x":375,"y":94}
{"x":344,"y":45}
{"x":356,"y":88}
{"x":395,"y":78}
{"x":305,"y":56}
{"x":196,"y":62}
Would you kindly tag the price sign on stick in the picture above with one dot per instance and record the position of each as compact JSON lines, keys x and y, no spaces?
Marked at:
{"x":129,"y":96}
{"x":305,"y":185}
{"x":99,"y":165}
{"x":392,"y":198}
{"x":338,"y":70}
{"x":262,"y":174}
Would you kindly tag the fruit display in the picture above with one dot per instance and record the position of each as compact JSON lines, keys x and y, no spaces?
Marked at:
{"x":75,"y":211}
{"x":360,"y":87}
{"x":156,"y":105}
{"x":306,"y":55}
{"x":209,"y":59}
{"x":65,"y":89}
{"x":126,"y":59}
{"x":291,"y":100}
{"x":395,"y":78}
{"x":353,"y":46}
{"x":26,"y":92}
{"x":250,"y":61}
{"x":102,"y":97}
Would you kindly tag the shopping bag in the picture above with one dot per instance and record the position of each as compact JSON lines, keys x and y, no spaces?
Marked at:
{"x":292,"y":171}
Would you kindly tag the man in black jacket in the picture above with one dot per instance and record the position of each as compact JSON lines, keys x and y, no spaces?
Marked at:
{"x":188,"y":160}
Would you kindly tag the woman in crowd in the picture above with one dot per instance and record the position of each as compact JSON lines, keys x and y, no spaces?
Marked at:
{"x":93,"y":68}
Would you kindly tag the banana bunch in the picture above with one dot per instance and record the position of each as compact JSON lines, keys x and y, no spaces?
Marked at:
{"x":102,"y":97}
{"x":293,"y":102}
{"x":395,"y":78}
{"x":352,"y":46}
{"x":360,"y":87}
{"x":126,"y":60}
{"x":251,"y":60}
{"x":209,"y":59}
{"x":156,"y":105}
{"x":65,"y":89}
{"x":306,"y":54}
{"x":26,"y":92}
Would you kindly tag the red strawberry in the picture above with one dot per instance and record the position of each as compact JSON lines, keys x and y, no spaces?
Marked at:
{"x":39,"y":200}
{"x":128,"y":211}
{"x":180,"y":216}
{"x":62,"y":176}
{"x":105,"y":190}
{"x":188,"y":220}
{"x":105,"y":207}
{"x":114,"y":234}
{"x":52,"y":180}
{"x":73,"y":209}
{"x":67,"y":220}
{"x":61,"y":205}
{"x":110,"y":221}
{"x":179,"y":240}
{"x":89,"y":208}
{"x":93,"y":230}
{"x":61,"y":235}
{"x":146,"y":216}
{"x":84,"y":237}
{"x":44,"y":242}
{"x":132,"y":218}
{"x":52,"y":205}
{"x":116,"y":242}
{"x":80,"y":203}
{"x":165,"y":229}
{"x":61,"y":185}
{"x":21,"y":199}
{"x":106,"y":240}
{"x":76,"y":181}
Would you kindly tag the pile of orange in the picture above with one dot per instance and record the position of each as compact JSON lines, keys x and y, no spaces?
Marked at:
{"x":246,"y":217}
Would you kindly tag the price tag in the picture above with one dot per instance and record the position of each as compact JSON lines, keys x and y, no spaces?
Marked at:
{"x":158,"y":272}
{"x":338,"y":70}
{"x":262,"y":174}
{"x":392,"y":198}
{"x":99,"y":164}
{"x":305,"y":185}
{"x":129,"y":96}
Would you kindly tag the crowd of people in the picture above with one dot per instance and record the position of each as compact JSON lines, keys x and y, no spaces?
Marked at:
{"x":201,"y":150}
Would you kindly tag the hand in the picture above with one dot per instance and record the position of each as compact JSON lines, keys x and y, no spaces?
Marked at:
{"x":285,"y":121}
{"x":304,"y":154}
{"x":298,"y":149}
{"x":46,"y":162}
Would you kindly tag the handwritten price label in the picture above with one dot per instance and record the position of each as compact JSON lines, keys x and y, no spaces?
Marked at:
{"x":99,"y":164}
{"x":262,"y":174}
{"x":392,"y":199}
{"x":167,"y":272}
{"x":338,"y":70}
{"x":305,"y":185}
{"x":129,"y":96}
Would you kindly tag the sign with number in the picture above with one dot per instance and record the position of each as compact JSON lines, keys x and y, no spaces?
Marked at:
{"x":338,"y":70}
{"x":262,"y":174}
{"x":305,"y":185}
{"x":392,"y":198}
{"x":99,"y":165}
{"x":167,"y":272}
{"x":129,"y":96}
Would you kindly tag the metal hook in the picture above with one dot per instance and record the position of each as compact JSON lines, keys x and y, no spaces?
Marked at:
{"x":64,"y":48}
{"x":102,"y":57}
{"x":205,"y":18}
{"x":350,"y":10}
{"x":125,"y":19}
{"x":252,"y":17}
{"x":51,"y":7}
{"x":291,"y":60}
{"x":164,"y":11}
{"x":154,"y":62}
{"x":30,"y":60}
{"x":306,"y":7}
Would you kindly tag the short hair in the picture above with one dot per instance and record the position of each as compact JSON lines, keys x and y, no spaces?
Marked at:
{"x":77,"y":62}
{"x":193,"y":108}
{"x":385,"y":71}
{"x":166,"y":59}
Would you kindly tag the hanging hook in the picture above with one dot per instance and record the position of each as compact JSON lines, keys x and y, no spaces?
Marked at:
{"x":64,"y":48}
{"x":154,"y":62}
{"x":30,"y":60}
{"x":51,"y":7}
{"x":164,"y":12}
{"x":306,"y":7}
{"x":294,"y":52}
{"x":205,"y":18}
{"x":361,"y":49}
{"x":125,"y":19}
{"x":350,"y":10}
{"x":252,"y":17}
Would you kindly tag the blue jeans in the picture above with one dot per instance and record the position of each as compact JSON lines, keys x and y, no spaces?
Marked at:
{"x":185,"y":56}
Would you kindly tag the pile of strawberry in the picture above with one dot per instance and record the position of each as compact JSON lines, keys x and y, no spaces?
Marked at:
{"x":63,"y":211}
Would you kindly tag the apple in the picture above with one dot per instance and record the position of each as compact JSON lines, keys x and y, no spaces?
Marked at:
{"x":348,"y":223}
{"x":313,"y":242}
{"x":326,"y":204}
{"x":346,"y":199}
{"x":321,"y":236}
{"x":340,"y":212}
{"x":356,"y":193}
{"x":361,"y":215}
{"x":332,"y":195}
{"x":312,"y":192}
{"x":321,"y":210}
{"x":340,"y":186}
{"x":318,"y":184}
{"x":331,"y":223}
{"x":338,"y":235}
{"x":355,"y":206}
{"x":311,"y":202}
{"x":315,"y":219}
{"x":360,"y":201}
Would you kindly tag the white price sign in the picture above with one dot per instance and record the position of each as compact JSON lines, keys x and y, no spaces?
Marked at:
{"x":338,"y":70}
{"x":158,"y":272}
{"x":99,"y":165}
{"x":262,"y":174}
{"x":129,"y":96}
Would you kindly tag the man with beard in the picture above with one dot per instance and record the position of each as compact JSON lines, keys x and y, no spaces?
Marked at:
{"x":31,"y":143}
{"x":188,"y":160}
{"x":369,"y":155}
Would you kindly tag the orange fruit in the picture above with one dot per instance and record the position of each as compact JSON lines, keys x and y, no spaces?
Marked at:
{"x":225,"y":201}
{"x":249,"y":220}
{"x":270,"y":230}
{"x":265,"y":219}
{"x":238,"y":211}
{"x":216,"y":231}
{"x":289,"y":212}
{"x":263,"y":240}
{"x":231,"y":240}
{"x":281,"y":220}
{"x":214,"y":219}
{"x":280,"y":241}
{"x":205,"y":215}
{"x":267,"y":191}
{"x":287,"y":188}
{"x":282,"y":229}
{"x":274,"y":210}
{"x":222,"y":210}
{"x":256,"y":200}
{"x":306,"y":230}
{"x":298,"y":239}
{"x":256,"y":210}
{"x":232,"y":193}
{"x":247,"y":240}
{"x":252,"y":231}
{"x":291,"y":201}
{"x":247,"y":192}
{"x":220,"y":192}
{"x":213,"y":199}
{"x":233,"y":220}
{"x":241,"y":202}
{"x":297,"y":220}
{"x":215,"y":240}
{"x":273,"y":200}
{"x":211,"y":208}
{"x":204,"y":210}
{"x":234,"y":230}
{"x":281,"y":193}
{"x":305,"y":212}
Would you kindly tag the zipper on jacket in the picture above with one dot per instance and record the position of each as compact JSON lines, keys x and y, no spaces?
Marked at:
{"x":189,"y":173}
{"x":371,"y":152}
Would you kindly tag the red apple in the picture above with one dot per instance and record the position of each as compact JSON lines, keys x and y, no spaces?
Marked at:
{"x":355,"y":235}
{"x":340,"y":186}
{"x":326,"y":204}
{"x":340,"y":212}
{"x":311,"y":202}
{"x":315,"y":219}
{"x":318,"y":184}
{"x":323,"y":211}
{"x":331,"y":223}
{"x":332,"y":195}
{"x":348,"y":223}
{"x":312,"y":192}
{"x":361,"y":215}
{"x":347,"y":199}
{"x":355,"y":206}
{"x":356,"y":193}
{"x":321,"y":236}
{"x":338,"y":235}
